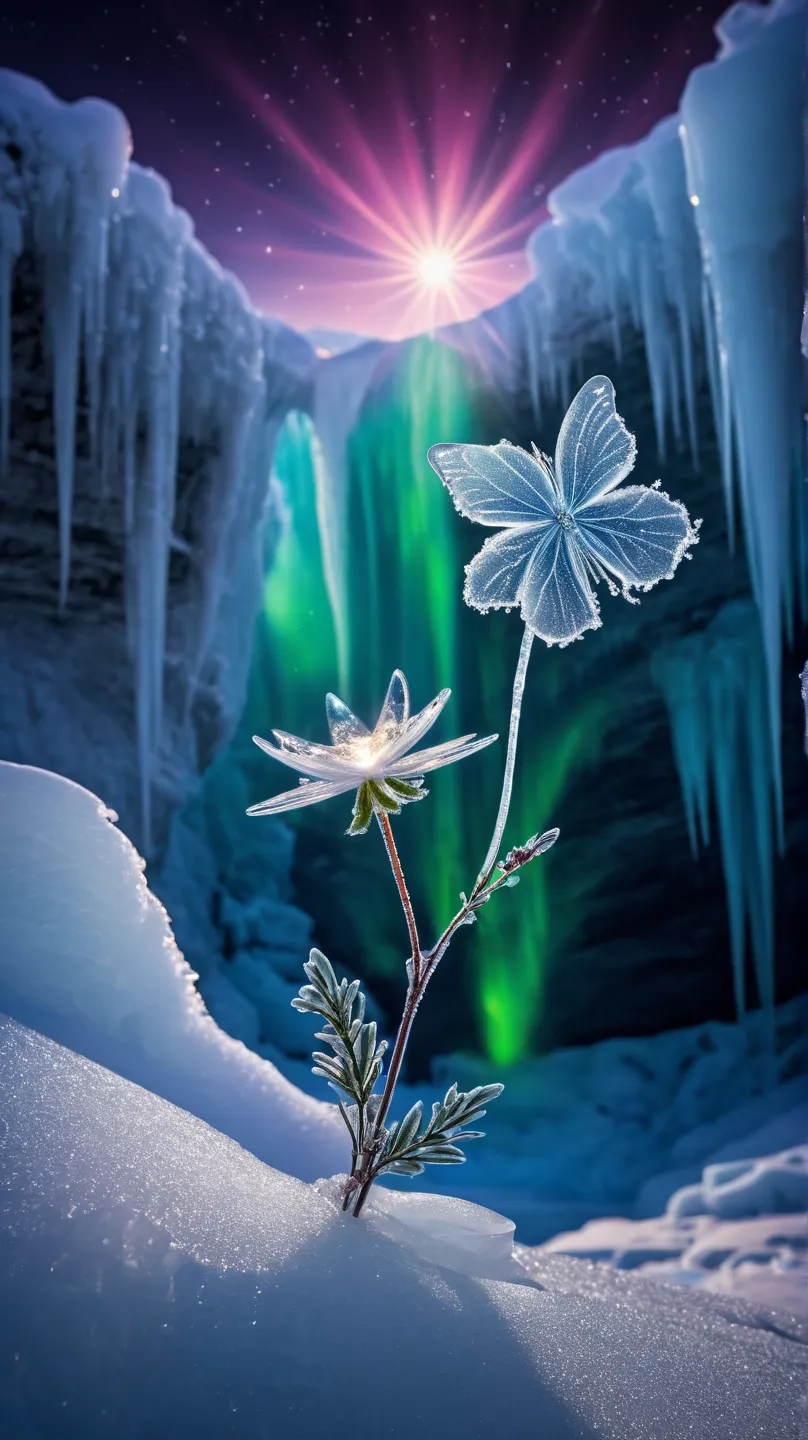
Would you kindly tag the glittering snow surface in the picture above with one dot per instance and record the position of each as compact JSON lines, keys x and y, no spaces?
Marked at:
{"x":160,"y":1281}
{"x":87,"y":956}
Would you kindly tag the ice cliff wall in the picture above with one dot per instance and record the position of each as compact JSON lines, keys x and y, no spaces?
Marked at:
{"x":139,"y":398}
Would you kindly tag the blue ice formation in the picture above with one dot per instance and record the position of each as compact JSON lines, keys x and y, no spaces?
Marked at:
{"x":695,"y":236}
{"x":166,"y":344}
{"x":714,"y":685}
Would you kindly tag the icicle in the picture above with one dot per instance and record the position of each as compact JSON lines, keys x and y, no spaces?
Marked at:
{"x":715,"y":689}
{"x":742,"y":119}
{"x":680,"y":681}
{"x":664,"y":185}
{"x":139,"y":381}
{"x":340,"y":385}
{"x":10,"y":248}
{"x":79,"y":159}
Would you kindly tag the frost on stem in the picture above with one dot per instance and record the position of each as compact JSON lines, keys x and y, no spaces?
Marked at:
{"x":353,"y":1070}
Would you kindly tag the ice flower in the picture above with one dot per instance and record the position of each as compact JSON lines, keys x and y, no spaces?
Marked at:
{"x":565,"y":526}
{"x":378,"y":764}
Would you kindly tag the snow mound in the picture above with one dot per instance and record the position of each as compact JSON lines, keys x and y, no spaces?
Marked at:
{"x":737,"y":1189}
{"x":742,"y":1231}
{"x":160,"y":1281}
{"x":88,"y":957}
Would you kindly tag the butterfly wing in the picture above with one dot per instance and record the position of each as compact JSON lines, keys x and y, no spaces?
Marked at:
{"x":495,"y":575}
{"x":496,"y":484}
{"x":595,"y":451}
{"x":637,"y":533}
{"x":557,"y":600}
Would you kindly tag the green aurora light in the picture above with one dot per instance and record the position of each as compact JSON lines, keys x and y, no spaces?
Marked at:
{"x":404,"y":573}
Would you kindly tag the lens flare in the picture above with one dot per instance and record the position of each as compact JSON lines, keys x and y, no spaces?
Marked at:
{"x":437,"y":268}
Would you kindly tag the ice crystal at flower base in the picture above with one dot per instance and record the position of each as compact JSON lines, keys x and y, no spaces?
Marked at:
{"x":376,"y":764}
{"x":564,"y":525}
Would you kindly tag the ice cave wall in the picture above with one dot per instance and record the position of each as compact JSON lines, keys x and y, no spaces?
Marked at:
{"x":139,"y":399}
{"x":137,"y":457}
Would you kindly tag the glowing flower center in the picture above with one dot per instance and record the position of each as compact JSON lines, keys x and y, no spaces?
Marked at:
{"x":565,"y":519}
{"x":437,"y":268}
{"x":365,"y":751}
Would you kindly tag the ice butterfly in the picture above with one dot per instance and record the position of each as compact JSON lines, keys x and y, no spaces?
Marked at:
{"x":565,"y":526}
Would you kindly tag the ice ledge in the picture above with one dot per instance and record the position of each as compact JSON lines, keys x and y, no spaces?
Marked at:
{"x":441,"y":1229}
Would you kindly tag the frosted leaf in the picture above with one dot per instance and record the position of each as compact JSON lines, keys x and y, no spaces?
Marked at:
{"x":595,"y":450}
{"x":496,"y":484}
{"x":342,"y":723}
{"x":637,"y":533}
{"x":495,"y":575}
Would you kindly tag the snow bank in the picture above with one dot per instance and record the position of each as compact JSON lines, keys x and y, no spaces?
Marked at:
{"x":743,"y":1230}
{"x":88,"y":957}
{"x":160,"y":1281}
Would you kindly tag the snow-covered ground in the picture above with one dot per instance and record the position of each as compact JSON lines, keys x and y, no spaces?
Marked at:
{"x":87,"y":956}
{"x":160,"y":1281}
{"x":742,"y":1231}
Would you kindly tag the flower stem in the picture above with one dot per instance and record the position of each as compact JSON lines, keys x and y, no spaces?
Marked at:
{"x":406,"y":903}
{"x":413,"y":1000}
{"x":414,"y":992}
{"x":424,"y":965}
{"x":510,"y":760}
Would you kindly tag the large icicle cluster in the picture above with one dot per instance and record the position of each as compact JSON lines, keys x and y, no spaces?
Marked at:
{"x":164,"y":348}
{"x":694,"y":236}
{"x":746,"y":177}
{"x":62,"y":206}
{"x":715,"y":687}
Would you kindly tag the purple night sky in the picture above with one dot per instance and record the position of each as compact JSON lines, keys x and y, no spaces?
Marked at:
{"x":364,"y":166}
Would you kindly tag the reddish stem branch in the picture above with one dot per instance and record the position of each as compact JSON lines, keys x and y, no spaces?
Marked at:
{"x":395,"y":865}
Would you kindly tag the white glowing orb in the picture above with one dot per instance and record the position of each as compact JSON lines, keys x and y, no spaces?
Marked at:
{"x":436,"y":269}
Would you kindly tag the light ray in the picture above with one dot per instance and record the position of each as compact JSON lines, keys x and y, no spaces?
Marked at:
{"x":425,"y":224}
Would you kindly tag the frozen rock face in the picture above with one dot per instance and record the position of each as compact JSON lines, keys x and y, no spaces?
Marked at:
{"x":89,"y":958}
{"x":160,"y":1281}
{"x":139,"y":399}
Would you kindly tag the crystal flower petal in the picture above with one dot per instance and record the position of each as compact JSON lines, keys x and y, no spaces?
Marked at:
{"x":360,"y":759}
